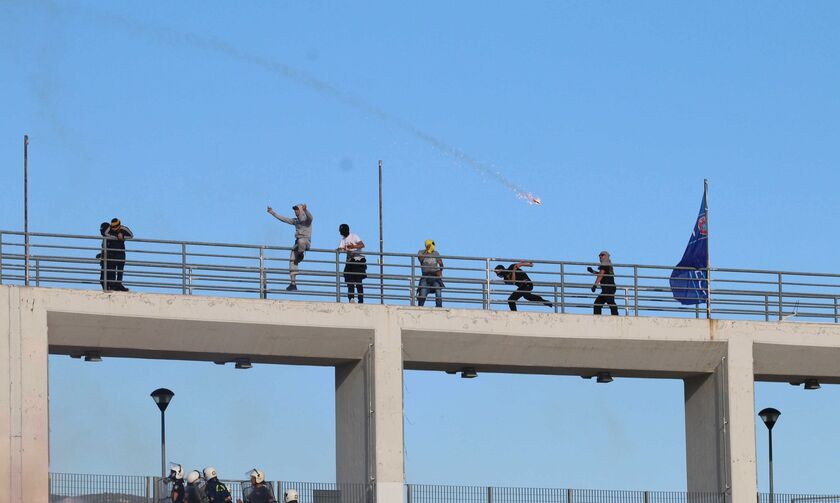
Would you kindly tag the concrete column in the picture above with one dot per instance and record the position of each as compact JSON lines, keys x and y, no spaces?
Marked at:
{"x":369,"y":414}
{"x":720,"y":427}
{"x":24,"y":425}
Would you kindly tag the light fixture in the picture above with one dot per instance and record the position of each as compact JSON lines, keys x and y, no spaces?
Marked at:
{"x":93,"y":356}
{"x":604,"y":377}
{"x":451,"y":371}
{"x":468,"y":373}
{"x":162,"y":397}
{"x":811,"y":384}
{"x":243,"y":363}
{"x":769,"y":416}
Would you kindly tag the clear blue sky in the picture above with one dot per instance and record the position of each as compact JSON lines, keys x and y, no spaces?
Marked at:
{"x":186,"y":119}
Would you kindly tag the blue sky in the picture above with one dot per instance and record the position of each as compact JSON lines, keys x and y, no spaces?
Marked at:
{"x":182,"y":119}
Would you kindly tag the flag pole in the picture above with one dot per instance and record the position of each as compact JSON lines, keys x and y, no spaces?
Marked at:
{"x":26,"y":209}
{"x":381,"y":264}
{"x":708,"y":258}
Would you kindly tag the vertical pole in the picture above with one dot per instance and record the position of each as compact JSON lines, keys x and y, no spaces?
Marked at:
{"x":781,"y":301}
{"x":37,"y":272}
{"x":413,"y":292}
{"x":263,"y":282}
{"x":626,"y":303}
{"x":381,"y":264}
{"x":766,"y":308}
{"x":26,"y":209}
{"x":1,"y":265}
{"x":184,"y":268}
{"x":489,"y":494}
{"x":556,"y":307}
{"x":835,"y":298}
{"x":562,"y":288}
{"x":636,"y":290}
{"x":190,"y":288}
{"x":487,"y":284}
{"x":338,"y":276}
{"x":708,"y":256}
{"x":162,"y":445}
{"x":770,"y":443}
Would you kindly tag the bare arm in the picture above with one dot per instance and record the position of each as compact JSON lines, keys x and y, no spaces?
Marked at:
{"x":524,"y":263}
{"x":600,"y":277}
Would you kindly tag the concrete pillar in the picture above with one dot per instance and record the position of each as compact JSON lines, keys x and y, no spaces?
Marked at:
{"x":24,"y":422}
{"x":369,"y":414}
{"x":719,"y":427}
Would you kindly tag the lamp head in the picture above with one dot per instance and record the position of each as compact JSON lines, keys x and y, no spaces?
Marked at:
{"x":769,"y":416}
{"x":162,"y":397}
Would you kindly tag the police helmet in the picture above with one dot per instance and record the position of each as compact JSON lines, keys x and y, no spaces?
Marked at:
{"x":193,"y":477}
{"x":291,"y":496}
{"x":176,"y":472}
{"x":257,"y":474}
{"x":210,"y":473}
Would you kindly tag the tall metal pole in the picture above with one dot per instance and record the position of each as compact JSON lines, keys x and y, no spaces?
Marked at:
{"x":708,"y":257}
{"x":162,"y":445}
{"x":26,"y":209}
{"x":770,"y":433}
{"x":381,"y":262}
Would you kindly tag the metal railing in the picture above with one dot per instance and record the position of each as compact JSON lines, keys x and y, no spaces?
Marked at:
{"x":261,"y":271}
{"x":423,"y":493}
{"x":797,"y":498}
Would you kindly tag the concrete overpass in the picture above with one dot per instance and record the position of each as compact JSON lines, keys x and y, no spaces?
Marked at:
{"x":371,"y":345}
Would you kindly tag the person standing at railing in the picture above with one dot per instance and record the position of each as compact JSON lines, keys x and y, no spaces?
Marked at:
{"x":113,"y":254}
{"x":431,"y":279}
{"x":176,"y":475}
{"x":513,"y":275}
{"x":303,"y":238}
{"x":355,"y":264}
{"x":606,"y":279}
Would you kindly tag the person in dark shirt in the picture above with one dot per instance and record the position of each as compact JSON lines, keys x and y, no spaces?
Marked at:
{"x":606,"y":278}
{"x":513,"y":275}
{"x":113,"y":254}
{"x":176,"y":475}
{"x":196,"y":488}
{"x":216,"y":491}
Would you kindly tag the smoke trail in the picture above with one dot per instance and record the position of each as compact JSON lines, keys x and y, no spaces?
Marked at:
{"x":219,"y":46}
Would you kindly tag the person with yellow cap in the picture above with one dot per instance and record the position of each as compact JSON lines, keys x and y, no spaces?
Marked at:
{"x":113,"y":254}
{"x":431,"y":280}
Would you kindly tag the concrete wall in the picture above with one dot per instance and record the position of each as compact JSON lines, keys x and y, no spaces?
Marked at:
{"x":371,"y":345}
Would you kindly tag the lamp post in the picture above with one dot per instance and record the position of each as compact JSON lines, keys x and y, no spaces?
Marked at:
{"x":162,"y":397}
{"x":769,"y":416}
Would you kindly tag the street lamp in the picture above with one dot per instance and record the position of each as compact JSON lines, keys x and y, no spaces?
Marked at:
{"x":769,"y":416}
{"x":162,"y":397}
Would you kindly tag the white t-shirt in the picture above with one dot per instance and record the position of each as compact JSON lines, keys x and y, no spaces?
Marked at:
{"x":351,"y":239}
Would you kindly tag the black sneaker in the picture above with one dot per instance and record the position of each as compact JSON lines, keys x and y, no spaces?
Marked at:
{"x":291,"y":288}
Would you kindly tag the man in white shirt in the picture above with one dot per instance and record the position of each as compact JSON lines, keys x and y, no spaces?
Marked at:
{"x":355,"y":265}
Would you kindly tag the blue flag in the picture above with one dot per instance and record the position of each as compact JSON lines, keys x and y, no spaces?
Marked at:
{"x":690,"y":286}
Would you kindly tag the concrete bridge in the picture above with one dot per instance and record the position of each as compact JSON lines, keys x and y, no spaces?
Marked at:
{"x":371,"y":345}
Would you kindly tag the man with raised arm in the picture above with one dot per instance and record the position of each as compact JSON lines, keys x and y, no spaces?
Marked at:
{"x":512,"y":275}
{"x":303,"y":238}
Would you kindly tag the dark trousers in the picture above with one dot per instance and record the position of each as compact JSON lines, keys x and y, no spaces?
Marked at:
{"x":607,"y":297}
{"x":524,"y":290}
{"x":112,"y":270}
{"x":352,"y":288}
{"x":355,"y":271}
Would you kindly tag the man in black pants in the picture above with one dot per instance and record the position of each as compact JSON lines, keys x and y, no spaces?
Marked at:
{"x":512,"y":275}
{"x":113,"y":254}
{"x":606,"y":278}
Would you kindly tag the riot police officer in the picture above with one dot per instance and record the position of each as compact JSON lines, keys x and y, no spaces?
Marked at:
{"x":258,"y":491}
{"x":217,"y":492}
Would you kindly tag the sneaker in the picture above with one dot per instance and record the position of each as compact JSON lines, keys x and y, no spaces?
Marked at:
{"x":352,"y":301}
{"x":291,"y":288}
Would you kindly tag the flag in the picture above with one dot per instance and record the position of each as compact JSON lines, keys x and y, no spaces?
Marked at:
{"x":690,"y":286}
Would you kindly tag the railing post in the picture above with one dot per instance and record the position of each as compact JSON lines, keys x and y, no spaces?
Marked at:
{"x":190,"y":282}
{"x":489,"y":494}
{"x":37,"y":272}
{"x":570,"y":496}
{"x":489,"y":304}
{"x":836,"y":320}
{"x":562,"y":288}
{"x":766,"y":308}
{"x":263,"y":282}
{"x":635,"y":290}
{"x":338,"y":276}
{"x":413,"y":289}
{"x":647,"y":497}
{"x":556,"y":307}
{"x":184,"y":268}
{"x":105,"y":265}
{"x":408,"y":493}
{"x":1,"y":258}
{"x":626,"y":303}
{"x":148,"y":487}
{"x":781,"y":302}
{"x":26,"y":259}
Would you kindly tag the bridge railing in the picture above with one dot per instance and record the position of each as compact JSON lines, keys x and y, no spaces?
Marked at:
{"x":262,"y":271}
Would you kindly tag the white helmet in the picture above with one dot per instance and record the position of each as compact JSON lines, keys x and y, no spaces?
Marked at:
{"x":210,"y":473}
{"x":291,"y":496}
{"x":176,"y":472}
{"x":257,"y":474}
{"x":193,"y":477}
